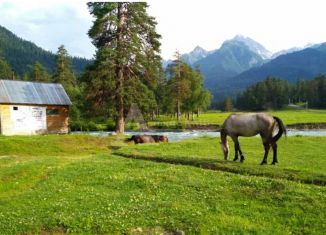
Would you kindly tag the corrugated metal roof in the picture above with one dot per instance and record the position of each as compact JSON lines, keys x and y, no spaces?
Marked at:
{"x":21,"y":92}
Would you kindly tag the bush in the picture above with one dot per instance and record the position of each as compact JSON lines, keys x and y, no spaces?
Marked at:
{"x":132,"y":126}
{"x":110,"y":125}
{"x":86,"y":126}
{"x":180,"y":125}
{"x":160,"y":125}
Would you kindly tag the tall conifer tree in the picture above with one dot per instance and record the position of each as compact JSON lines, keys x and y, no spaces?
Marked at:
{"x":63,"y":73}
{"x":39,"y":73}
{"x":127,"y":55}
{"x":5,"y":70}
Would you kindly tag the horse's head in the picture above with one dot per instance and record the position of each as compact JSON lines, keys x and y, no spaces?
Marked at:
{"x":225,"y":149}
{"x":224,"y":144}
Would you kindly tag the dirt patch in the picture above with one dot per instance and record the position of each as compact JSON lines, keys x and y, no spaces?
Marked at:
{"x":156,"y":231}
{"x":54,"y":230}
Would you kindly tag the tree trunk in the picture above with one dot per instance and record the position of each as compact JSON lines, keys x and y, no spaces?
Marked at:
{"x":120,"y":122}
{"x":178,"y":110}
{"x":197,"y":112}
{"x":192,"y":115}
{"x":153,"y":115}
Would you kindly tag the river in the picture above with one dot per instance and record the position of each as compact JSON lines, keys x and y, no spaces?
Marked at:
{"x":182,"y":135}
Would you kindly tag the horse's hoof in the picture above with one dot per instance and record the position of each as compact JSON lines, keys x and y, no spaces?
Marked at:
{"x":263,"y":163}
{"x":273,"y":163}
{"x":242,"y":160}
{"x":235,"y":159}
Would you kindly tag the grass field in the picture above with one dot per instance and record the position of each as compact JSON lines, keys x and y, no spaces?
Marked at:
{"x":82,"y":184}
{"x":289,"y":117}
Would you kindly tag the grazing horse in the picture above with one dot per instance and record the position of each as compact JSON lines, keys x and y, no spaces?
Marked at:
{"x":250,"y":125}
{"x":141,"y":139}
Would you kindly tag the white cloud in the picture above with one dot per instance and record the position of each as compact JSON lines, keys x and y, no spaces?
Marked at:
{"x":183,"y":24}
{"x":50,"y":24}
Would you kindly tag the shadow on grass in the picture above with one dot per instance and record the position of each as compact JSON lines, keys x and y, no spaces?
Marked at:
{"x":236,"y":168}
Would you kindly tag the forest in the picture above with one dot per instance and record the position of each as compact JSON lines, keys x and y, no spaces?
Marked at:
{"x":273,"y":93}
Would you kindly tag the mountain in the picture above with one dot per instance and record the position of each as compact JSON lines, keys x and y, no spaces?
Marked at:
{"x":286,"y":51}
{"x":165,"y":63}
{"x":304,"y":64}
{"x":195,"y":55}
{"x":22,"y":54}
{"x":231,"y":59}
{"x":254,"y":46}
{"x":294,"y":49}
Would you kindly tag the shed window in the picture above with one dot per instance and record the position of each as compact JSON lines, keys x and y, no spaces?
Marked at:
{"x":15,"y":108}
{"x":50,"y":112}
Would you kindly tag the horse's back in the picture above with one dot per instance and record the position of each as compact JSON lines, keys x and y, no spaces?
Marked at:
{"x":249,"y":124}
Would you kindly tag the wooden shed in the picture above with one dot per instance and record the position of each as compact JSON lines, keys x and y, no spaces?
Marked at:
{"x":32,"y":108}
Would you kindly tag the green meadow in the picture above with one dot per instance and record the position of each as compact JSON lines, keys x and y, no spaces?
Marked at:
{"x":289,"y":117}
{"x":103,"y":185}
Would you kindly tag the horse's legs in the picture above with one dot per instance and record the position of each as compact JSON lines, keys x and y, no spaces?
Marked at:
{"x":267,"y":147}
{"x":235,"y":152}
{"x":237,"y":149}
{"x":274,"y":146}
{"x":241,"y":155}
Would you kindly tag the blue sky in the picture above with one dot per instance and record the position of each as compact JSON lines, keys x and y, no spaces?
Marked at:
{"x":277,"y":24}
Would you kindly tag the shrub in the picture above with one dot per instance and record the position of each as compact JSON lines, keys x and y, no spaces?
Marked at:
{"x":132,"y":126}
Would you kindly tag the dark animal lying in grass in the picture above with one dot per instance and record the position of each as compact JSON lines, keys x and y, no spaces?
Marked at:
{"x":250,"y":125}
{"x":140,"y":139}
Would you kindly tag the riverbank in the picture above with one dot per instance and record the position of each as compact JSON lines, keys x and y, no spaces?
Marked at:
{"x":188,"y":134}
{"x":217,"y":127}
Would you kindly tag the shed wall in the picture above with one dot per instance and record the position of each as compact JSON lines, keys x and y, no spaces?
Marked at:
{"x":58,"y":123}
{"x":5,"y":120}
{"x":33,"y":120}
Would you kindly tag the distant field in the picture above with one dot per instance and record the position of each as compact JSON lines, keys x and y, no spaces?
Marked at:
{"x":217,"y":118}
{"x":78,"y":184}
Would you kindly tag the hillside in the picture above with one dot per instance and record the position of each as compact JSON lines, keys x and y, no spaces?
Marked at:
{"x":305,"y":64}
{"x":231,"y":59}
{"x":21,"y":54}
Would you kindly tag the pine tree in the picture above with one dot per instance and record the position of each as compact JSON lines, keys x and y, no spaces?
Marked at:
{"x":179,"y":83}
{"x":39,"y":73}
{"x":63,"y":72}
{"x":5,"y":70}
{"x":228,"y":105}
{"x":127,"y":49}
{"x":64,"y":75}
{"x":199,"y":98}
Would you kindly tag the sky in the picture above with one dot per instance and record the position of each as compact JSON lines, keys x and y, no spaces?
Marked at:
{"x":183,"y":24}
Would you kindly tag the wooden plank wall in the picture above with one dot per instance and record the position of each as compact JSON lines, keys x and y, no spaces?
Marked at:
{"x":58,"y":123}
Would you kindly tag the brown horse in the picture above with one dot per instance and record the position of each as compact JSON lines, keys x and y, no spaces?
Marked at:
{"x":250,"y":125}
{"x":141,"y":139}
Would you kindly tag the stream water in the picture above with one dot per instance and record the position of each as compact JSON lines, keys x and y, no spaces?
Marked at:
{"x":181,"y":135}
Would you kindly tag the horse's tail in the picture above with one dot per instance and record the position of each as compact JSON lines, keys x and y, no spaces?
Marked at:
{"x":281,"y":129}
{"x":223,"y":136}
{"x":223,"y":133}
